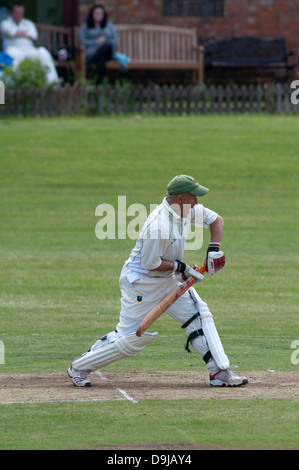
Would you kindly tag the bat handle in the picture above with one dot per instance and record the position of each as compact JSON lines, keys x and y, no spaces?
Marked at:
{"x":202,"y":270}
{"x":191,"y":280}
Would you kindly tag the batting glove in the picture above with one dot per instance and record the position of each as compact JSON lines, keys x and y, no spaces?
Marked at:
{"x":186,"y":271}
{"x":215,"y":259}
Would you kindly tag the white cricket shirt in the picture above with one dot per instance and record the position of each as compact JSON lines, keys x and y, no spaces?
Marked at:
{"x":163,"y":236}
{"x":9,"y":29}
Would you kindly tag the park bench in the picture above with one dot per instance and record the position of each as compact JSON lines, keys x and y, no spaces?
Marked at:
{"x":56,"y":38}
{"x":247,"y":52}
{"x":154,"y":47}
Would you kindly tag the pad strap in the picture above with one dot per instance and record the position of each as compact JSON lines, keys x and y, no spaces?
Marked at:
{"x":190,"y":320}
{"x":208,"y":356}
{"x":192,"y":336}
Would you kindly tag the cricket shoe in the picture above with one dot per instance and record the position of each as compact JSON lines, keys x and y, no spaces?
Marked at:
{"x":80,"y":377}
{"x":227,"y":378}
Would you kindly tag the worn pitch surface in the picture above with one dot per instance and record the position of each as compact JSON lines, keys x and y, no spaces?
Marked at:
{"x":136,"y":386}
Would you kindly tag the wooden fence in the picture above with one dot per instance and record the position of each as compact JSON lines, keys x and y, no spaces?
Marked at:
{"x":155,"y":100}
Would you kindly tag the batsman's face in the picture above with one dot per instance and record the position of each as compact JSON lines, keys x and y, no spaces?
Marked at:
{"x":187,"y":202}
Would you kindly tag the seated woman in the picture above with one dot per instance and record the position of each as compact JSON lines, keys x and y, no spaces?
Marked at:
{"x":99,"y":37}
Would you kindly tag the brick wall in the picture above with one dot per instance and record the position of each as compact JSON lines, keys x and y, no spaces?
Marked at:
{"x":263,"y":18}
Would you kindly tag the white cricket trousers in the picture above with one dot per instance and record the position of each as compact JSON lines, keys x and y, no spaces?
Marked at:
{"x":145,"y":294}
{"x":41,"y":53}
{"x":138,"y":300}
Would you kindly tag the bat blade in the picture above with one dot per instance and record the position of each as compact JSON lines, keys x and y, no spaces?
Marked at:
{"x":165,"y":303}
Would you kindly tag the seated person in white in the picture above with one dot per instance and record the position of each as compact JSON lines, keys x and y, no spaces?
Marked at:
{"x":19,"y":35}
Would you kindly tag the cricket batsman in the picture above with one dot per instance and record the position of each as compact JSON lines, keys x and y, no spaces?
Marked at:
{"x":155,"y":269}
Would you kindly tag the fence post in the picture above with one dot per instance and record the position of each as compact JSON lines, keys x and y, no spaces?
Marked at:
{"x":228,"y":97}
{"x":278,"y":98}
{"x":259,"y":97}
{"x":270,"y":104}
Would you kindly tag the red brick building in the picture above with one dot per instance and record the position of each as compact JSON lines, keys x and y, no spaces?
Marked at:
{"x":212,"y":18}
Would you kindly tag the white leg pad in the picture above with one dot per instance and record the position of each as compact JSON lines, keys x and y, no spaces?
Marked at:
{"x":112,"y":349}
{"x":210,"y":332}
{"x":214,"y":341}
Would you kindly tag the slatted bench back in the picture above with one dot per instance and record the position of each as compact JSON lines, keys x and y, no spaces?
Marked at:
{"x":151,"y":43}
{"x":53,"y":37}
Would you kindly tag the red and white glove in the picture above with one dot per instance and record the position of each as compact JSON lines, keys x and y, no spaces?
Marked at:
{"x":186,"y":271}
{"x":215,"y":259}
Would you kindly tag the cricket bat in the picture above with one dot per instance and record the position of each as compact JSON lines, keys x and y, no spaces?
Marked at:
{"x":165,"y":303}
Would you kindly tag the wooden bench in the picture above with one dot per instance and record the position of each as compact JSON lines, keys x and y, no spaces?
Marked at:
{"x":247,"y":52}
{"x":154,"y":47}
{"x":59,"y":37}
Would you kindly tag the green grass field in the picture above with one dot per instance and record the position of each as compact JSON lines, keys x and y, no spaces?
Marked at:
{"x":59,"y":287}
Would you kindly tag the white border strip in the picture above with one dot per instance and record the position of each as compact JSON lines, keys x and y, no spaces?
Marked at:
{"x":126,"y":395}
{"x":123,"y":392}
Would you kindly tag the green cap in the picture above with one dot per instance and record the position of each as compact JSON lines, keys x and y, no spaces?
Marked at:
{"x":186,"y":184}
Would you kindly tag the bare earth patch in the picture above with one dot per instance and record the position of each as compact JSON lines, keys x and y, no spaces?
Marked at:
{"x":137,"y":386}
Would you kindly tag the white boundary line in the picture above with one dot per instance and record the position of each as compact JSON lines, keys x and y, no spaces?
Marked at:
{"x":123,"y":392}
{"x":126,"y":395}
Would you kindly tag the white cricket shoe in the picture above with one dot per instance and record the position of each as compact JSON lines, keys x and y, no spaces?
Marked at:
{"x":80,"y":377}
{"x":227,"y":378}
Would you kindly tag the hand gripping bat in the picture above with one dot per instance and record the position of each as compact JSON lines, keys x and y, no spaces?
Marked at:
{"x":165,"y":303}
